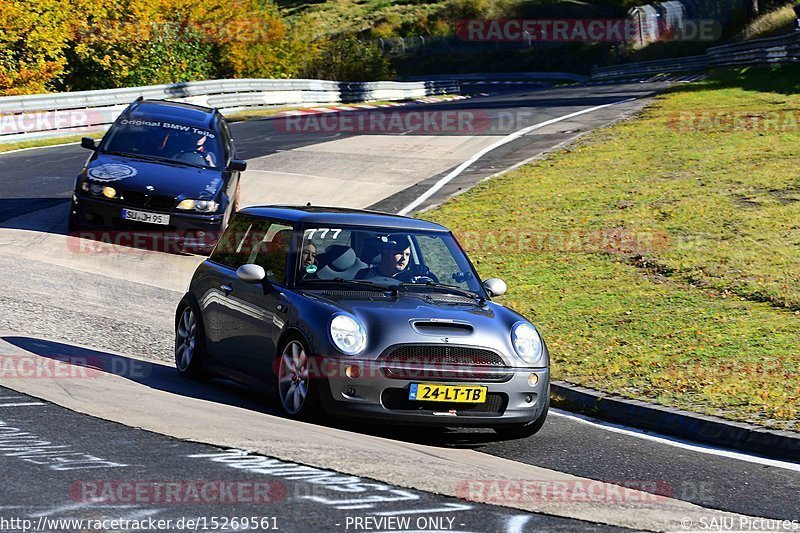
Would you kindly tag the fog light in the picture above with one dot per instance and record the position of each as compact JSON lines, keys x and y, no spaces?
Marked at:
{"x":109,"y":192}
{"x":352,"y":372}
{"x":533,"y":379}
{"x":528,"y":398}
{"x":351,"y":391}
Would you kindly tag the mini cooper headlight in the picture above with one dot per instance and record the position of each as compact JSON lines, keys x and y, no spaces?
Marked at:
{"x":348,"y":334}
{"x":204,"y":206}
{"x":527,"y":342}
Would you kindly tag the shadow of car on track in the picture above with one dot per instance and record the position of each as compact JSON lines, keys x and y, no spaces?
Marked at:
{"x":50,"y":215}
{"x":164,"y":377}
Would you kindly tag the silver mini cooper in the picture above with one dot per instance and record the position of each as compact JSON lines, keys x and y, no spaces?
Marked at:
{"x":361,"y":315}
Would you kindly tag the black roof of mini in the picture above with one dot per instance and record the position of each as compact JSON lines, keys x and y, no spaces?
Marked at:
{"x":341,"y":216}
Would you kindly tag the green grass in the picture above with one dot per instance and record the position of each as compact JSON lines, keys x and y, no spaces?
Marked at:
{"x":8,"y":146}
{"x":704,"y":315}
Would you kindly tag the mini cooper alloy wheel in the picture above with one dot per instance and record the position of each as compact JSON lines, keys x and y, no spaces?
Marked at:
{"x":293,"y":377}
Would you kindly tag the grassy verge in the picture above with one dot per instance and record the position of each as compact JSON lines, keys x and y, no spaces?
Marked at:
{"x":777,"y":22}
{"x":7,"y":147}
{"x":660,"y":256}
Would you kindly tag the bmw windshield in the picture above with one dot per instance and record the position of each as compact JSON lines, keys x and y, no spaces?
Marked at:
{"x":152,"y":138}
{"x":384,"y":258}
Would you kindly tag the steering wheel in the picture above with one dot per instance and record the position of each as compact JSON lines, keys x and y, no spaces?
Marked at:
{"x":420,"y":275}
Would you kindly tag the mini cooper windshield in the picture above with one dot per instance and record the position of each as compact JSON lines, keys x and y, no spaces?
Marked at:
{"x":385,"y":259}
{"x":162,"y":140}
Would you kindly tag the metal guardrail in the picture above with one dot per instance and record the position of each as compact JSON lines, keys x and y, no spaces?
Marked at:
{"x":43,"y":115}
{"x":645,"y":68}
{"x":504,"y":76}
{"x":770,"y":51}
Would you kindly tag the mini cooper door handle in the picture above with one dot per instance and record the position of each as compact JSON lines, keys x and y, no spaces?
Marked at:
{"x":226,"y":288}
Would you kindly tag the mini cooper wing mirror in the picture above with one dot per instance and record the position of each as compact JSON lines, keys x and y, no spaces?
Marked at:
{"x":237,"y":165}
{"x":89,"y":143}
{"x":495,"y":286}
{"x":251,"y":273}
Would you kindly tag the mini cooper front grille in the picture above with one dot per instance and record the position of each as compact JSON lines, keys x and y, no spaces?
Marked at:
{"x":397,"y":400}
{"x":438,"y":354}
{"x":440,"y":373}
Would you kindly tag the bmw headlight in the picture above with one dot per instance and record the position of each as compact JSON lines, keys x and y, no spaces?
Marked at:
{"x":527,"y":342}
{"x":204,"y":206}
{"x":348,"y":334}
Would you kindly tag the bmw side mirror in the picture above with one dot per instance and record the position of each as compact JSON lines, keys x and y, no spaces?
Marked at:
{"x":237,"y":165}
{"x":495,"y":286}
{"x":251,"y":273}
{"x":88,"y":143}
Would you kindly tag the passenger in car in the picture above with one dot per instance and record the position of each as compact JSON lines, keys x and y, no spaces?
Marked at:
{"x":308,"y":260}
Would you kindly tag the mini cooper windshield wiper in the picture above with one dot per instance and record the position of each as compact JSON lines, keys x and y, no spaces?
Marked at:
{"x":361,"y":282}
{"x":444,"y":287}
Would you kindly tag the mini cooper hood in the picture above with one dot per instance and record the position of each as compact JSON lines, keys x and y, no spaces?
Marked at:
{"x":166,"y":179}
{"x":414,"y":308}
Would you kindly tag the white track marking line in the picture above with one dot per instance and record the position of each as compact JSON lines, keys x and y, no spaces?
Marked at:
{"x":505,"y":140}
{"x":677,"y":443}
{"x":20,"y":404}
{"x":516,"y":524}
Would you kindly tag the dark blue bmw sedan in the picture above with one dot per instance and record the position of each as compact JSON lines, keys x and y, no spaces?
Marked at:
{"x":162,"y":167}
{"x":364,"y":315}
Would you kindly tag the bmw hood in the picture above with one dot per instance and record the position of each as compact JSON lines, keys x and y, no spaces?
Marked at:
{"x":150,"y":177}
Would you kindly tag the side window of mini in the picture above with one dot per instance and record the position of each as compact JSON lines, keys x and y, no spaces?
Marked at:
{"x":272,"y":253}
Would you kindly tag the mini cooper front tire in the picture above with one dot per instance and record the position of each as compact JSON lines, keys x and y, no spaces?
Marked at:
{"x":522,"y":431}
{"x":298,"y":388}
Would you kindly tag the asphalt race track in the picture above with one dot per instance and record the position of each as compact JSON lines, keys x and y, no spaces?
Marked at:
{"x":134,"y":421}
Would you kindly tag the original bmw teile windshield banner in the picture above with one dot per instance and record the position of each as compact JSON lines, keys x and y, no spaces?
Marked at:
{"x":167,"y":126}
{"x":425,"y":266}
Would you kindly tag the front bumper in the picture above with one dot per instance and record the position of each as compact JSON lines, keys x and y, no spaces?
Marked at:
{"x":376,"y":396}
{"x":193,"y":230}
